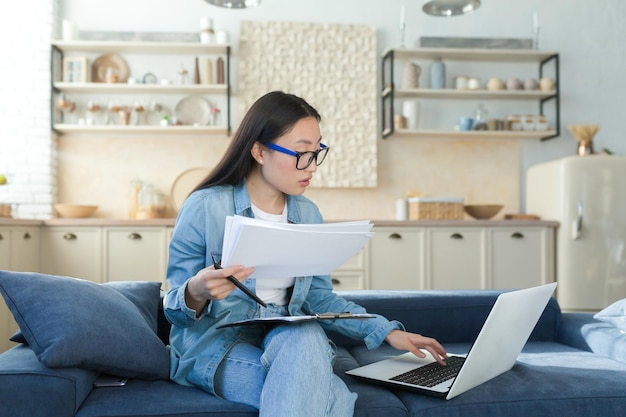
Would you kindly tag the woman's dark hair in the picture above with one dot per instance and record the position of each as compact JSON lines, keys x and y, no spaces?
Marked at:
{"x":269,"y":118}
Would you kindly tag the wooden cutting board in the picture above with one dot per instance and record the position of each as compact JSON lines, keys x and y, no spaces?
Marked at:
{"x":520,"y":216}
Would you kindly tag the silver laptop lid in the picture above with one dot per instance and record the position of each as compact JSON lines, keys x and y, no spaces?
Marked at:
{"x":501,"y":339}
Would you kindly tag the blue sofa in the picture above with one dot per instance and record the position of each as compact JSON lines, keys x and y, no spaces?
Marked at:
{"x":573,"y":365}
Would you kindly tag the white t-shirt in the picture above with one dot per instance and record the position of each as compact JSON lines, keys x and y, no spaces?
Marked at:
{"x":273,"y":290}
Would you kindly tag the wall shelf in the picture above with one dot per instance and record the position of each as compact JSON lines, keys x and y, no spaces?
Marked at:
{"x":390,"y":92}
{"x":476,"y":134}
{"x":104,"y":88}
{"x":59,"y":49}
{"x":450,"y":93}
{"x":67,"y":129}
{"x":162,"y":48}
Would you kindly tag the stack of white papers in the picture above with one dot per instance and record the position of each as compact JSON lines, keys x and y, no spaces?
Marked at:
{"x":279,"y":250}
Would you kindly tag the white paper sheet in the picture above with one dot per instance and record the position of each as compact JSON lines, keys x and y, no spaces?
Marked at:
{"x":279,"y":250}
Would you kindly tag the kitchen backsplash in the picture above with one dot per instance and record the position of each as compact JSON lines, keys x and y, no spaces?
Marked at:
{"x":480,"y":171}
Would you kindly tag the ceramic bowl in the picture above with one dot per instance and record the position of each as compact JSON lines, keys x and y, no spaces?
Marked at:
{"x":75,"y":210}
{"x":483,"y":211}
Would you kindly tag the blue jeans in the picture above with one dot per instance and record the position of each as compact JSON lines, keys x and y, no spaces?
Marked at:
{"x":285,"y":372}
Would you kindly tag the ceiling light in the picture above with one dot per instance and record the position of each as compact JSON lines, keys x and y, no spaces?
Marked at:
{"x":450,"y":7}
{"x":234,"y":4}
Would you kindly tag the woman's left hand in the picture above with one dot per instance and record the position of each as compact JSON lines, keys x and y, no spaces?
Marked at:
{"x":412,"y":342}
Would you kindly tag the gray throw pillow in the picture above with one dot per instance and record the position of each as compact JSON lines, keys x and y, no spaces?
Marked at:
{"x":70,"y":322}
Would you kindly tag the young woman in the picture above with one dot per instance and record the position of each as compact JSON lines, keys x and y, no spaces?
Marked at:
{"x":285,"y":370}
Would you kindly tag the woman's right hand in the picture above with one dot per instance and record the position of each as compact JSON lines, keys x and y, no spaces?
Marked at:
{"x":211,"y":284}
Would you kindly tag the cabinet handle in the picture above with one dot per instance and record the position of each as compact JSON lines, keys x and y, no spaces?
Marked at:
{"x":517,"y":235}
{"x":134,"y":236}
{"x":69,"y":236}
{"x":456,"y":236}
{"x":335,"y":281}
{"x":27,"y":236}
{"x":1,"y":237}
{"x":395,"y":236}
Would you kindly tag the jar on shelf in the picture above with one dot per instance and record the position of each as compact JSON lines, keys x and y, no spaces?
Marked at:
{"x":207,"y":34}
{"x":410,"y":75}
{"x":183,"y":75}
{"x":480,"y":118}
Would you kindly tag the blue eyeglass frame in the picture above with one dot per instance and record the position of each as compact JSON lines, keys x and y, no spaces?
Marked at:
{"x":299,"y":154}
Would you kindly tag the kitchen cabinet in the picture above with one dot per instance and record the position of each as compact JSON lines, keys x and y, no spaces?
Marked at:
{"x":353,"y":275}
{"x":19,"y":248}
{"x":456,"y":258}
{"x":19,"y":251}
{"x":72,"y":251}
{"x":391,"y":92}
{"x":521,"y":256}
{"x":461,"y":257}
{"x":156,"y":54}
{"x":397,"y":258}
{"x":138,"y":254}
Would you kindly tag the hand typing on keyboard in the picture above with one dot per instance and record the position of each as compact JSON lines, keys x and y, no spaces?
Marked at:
{"x":412,"y":342}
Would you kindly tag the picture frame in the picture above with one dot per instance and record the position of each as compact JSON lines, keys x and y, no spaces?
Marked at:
{"x":75,"y":69}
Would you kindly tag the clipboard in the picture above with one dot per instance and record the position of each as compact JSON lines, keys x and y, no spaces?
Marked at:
{"x":274,"y":321}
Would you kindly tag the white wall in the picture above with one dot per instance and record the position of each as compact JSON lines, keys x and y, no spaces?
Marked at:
{"x":26,"y":146}
{"x":588,"y":35}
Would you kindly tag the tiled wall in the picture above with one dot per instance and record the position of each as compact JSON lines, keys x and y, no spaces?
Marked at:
{"x":26,"y":146}
{"x":327,"y":64}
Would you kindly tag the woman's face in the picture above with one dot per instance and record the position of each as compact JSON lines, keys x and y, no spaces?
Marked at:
{"x":279,"y":169}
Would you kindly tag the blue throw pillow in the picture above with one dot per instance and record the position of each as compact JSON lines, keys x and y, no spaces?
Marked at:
{"x":70,"y":322}
{"x":614,"y":314}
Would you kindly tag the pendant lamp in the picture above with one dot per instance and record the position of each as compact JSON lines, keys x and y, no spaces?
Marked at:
{"x":450,"y":7}
{"x":234,"y":4}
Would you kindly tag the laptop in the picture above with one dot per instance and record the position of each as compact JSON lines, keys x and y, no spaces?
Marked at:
{"x":502,"y":337}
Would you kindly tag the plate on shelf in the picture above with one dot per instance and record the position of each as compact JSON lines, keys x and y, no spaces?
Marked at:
{"x":185,"y":183}
{"x":193,"y":110}
{"x":105,"y":62}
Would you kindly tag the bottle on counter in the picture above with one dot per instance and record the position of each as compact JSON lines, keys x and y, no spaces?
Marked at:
{"x":135,"y":186}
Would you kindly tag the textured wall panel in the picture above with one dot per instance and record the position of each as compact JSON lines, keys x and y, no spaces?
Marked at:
{"x":334,"y":68}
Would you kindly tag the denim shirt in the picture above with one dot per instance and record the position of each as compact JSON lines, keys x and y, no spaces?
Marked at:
{"x":196,"y":345}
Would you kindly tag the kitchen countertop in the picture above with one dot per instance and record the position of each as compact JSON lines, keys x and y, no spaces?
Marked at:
{"x":465,"y":223}
{"x":95,"y":222}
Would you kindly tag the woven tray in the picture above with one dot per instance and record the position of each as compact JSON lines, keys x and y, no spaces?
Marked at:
{"x":433,"y":209}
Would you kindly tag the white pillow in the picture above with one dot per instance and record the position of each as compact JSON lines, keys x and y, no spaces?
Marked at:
{"x":614,"y":314}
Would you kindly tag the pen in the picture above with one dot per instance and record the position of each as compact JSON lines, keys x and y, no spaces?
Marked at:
{"x":239,"y":285}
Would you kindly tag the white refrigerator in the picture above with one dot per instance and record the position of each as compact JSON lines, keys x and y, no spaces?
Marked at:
{"x":587,"y":195}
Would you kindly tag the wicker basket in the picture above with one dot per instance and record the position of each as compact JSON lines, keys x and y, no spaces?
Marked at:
{"x":435,"y":208}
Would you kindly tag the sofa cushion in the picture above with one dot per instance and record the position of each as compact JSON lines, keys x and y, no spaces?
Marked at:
{"x":36,"y":390}
{"x":70,"y":322}
{"x":372,"y":401}
{"x":547,"y":379}
{"x":614,"y":314}
{"x":448,"y":316}
{"x":141,"y":398}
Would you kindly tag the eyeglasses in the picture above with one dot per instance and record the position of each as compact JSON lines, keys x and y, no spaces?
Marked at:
{"x":303,"y":159}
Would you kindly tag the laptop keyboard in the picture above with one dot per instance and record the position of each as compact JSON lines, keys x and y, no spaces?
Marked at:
{"x":432,"y":374}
